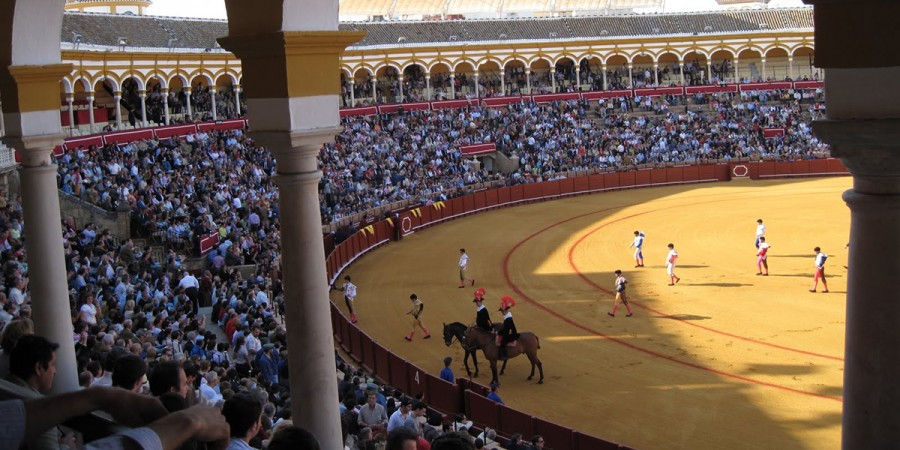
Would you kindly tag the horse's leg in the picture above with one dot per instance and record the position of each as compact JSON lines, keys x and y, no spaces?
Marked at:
{"x":494,"y":371}
{"x":540,"y":368}
{"x":531,"y":375}
{"x":475,"y":361}
{"x":466,"y":361}
{"x":503,"y":367}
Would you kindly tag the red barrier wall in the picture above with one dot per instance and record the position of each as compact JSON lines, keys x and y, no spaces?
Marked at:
{"x":483,"y":410}
{"x":442,"y":395}
{"x":555,"y":436}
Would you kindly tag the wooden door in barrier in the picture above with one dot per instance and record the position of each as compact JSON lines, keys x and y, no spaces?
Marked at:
{"x":766,"y":169}
{"x":597,"y":181}
{"x":551,"y":188}
{"x":482,"y":410}
{"x":658,"y":176}
{"x":567,"y":185}
{"x":800,"y":167}
{"x":627,"y":178}
{"x":783,"y":167}
{"x":382,"y":362}
{"x":468,"y":203}
{"x":555,"y":436}
{"x":610,"y":180}
{"x":583,"y":183}
{"x":818,"y":166}
{"x":368,"y":348}
{"x":516,"y":193}
{"x":674,"y":174}
{"x":533,"y":191}
{"x":442,"y":395}
{"x":691,"y":173}
{"x":356,"y":348}
{"x":399,"y":374}
{"x":479,"y":200}
{"x":640,"y":177}
{"x":503,"y":195}
{"x":515,"y":421}
{"x":707,"y":172}
{"x":588,"y":442}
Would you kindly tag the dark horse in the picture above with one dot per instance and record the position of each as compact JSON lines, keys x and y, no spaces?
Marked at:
{"x":472,"y":339}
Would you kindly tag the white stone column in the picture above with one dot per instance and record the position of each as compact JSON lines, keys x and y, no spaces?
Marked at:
{"x":400,"y":84}
{"x":762,"y":74}
{"x":70,"y":99}
{"x":681,"y":72}
{"x":143,"y":96}
{"x":630,"y":77}
{"x":791,"y":67}
{"x":237,"y":99}
{"x":374,"y":90}
{"x":503,"y":83}
{"x":708,"y":71}
{"x":212,"y":100}
{"x":528,"y":79}
{"x":90,"y":100}
{"x":305,"y":280}
{"x":737,"y":76}
{"x":476,"y":86}
{"x":187,"y":94}
{"x":117,"y":97}
{"x":49,"y":292}
{"x":165,"y":95}
{"x":656,"y":74}
{"x":577,"y":78}
{"x":429,"y":92}
{"x":603,"y":69}
{"x":553,"y":79}
{"x":870,"y":149}
{"x":352,"y":93}
{"x":452,"y":85}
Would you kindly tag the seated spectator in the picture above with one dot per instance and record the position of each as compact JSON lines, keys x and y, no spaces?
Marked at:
{"x":11,"y":334}
{"x":293,"y":438}
{"x":402,"y":438}
{"x":242,"y":412}
{"x":130,"y":373}
{"x":168,"y":376}
{"x":461,"y":423}
{"x":453,"y":441}
{"x":208,"y":389}
{"x":537,"y":442}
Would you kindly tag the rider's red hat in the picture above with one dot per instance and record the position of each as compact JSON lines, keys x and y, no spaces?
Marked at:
{"x":507,"y":302}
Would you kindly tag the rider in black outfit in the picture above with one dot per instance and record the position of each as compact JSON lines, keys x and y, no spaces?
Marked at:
{"x":508,"y":331}
{"x":482,"y":316}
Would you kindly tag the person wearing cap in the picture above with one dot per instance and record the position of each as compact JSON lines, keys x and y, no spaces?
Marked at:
{"x":482,"y":316}
{"x":507,"y":331}
{"x":267,"y":367}
{"x":416,"y":313}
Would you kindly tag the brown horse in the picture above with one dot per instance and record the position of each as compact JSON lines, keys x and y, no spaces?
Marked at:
{"x":527,"y":343}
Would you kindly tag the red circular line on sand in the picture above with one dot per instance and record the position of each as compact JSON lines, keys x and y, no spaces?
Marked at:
{"x":624,"y":343}
{"x":655,"y":311}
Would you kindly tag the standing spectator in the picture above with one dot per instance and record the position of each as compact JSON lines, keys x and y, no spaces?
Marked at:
{"x":495,"y":394}
{"x":268,"y":369}
{"x":446,"y":372}
{"x":192,"y":289}
{"x":398,"y":418}
{"x":402,"y":439}
{"x":373,"y":415}
{"x":208,"y":393}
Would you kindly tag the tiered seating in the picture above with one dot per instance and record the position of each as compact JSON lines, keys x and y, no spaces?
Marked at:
{"x":418,"y":7}
{"x":103,"y":29}
{"x":365,"y":7}
{"x":473,"y":6}
{"x":513,"y":6}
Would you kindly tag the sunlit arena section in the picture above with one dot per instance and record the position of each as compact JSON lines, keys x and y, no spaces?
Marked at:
{"x":340,"y":223}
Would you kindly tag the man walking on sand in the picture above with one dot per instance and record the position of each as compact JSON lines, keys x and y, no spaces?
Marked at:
{"x":463,"y":269}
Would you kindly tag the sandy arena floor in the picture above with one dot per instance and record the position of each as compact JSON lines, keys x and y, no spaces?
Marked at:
{"x":724,"y":359}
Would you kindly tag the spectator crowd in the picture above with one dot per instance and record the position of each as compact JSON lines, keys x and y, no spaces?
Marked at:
{"x":136,"y":309}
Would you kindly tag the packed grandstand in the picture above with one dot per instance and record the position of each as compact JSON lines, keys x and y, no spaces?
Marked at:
{"x":132,"y":297}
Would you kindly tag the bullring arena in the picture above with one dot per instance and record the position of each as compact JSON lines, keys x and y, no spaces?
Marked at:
{"x":723,"y":359}
{"x":185,"y":186}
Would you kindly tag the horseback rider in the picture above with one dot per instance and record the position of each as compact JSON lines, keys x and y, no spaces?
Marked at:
{"x":482,"y":316}
{"x":507,"y":331}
